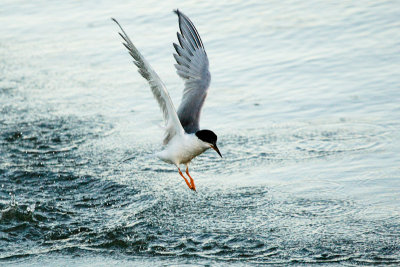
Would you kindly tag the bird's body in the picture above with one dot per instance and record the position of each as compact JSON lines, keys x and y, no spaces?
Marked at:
{"x":182,"y":149}
{"x":183,"y":138}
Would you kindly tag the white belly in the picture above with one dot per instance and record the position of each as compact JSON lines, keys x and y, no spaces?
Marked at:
{"x":182,"y":149}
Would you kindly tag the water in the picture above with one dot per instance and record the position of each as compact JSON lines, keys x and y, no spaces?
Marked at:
{"x":305,"y":101}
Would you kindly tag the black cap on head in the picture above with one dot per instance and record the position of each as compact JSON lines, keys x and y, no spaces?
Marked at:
{"x":207,"y":136}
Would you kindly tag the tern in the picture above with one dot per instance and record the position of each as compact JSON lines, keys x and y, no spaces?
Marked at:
{"x":183,"y":139}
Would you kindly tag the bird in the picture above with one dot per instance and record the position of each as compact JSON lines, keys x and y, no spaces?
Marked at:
{"x":183,"y":138}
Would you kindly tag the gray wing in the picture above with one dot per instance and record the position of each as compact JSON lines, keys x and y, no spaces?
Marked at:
{"x":173,"y":125}
{"x":192,"y":67}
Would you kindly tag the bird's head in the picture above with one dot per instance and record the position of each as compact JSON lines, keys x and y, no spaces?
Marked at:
{"x":209,"y":138}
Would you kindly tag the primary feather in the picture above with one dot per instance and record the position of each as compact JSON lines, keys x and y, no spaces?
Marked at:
{"x":192,"y":67}
{"x":172,"y":122}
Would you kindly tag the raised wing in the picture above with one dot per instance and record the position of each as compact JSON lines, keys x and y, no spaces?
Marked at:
{"x":192,"y":67}
{"x":173,"y":125}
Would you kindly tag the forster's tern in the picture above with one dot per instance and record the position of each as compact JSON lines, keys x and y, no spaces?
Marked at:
{"x":183,"y":138}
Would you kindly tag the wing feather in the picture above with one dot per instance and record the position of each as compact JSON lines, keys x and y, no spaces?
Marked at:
{"x":160,"y":93}
{"x":193,"y":68}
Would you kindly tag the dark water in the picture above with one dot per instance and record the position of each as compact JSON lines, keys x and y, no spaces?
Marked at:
{"x":305,"y":101}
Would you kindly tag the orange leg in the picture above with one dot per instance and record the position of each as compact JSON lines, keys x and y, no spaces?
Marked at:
{"x":191,"y":179}
{"x":187,"y":182}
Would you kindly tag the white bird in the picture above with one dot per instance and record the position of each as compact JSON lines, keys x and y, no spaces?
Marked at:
{"x":183,"y":139}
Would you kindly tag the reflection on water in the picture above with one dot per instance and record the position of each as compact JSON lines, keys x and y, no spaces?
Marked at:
{"x":304,"y":99}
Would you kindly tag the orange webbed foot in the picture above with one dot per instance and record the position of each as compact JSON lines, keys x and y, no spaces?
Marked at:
{"x":191,"y":179}
{"x":191,"y":184}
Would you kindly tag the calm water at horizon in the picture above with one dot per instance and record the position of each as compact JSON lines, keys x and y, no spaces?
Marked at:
{"x":304,"y":98}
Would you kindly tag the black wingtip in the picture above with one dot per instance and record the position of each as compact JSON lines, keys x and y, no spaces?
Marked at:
{"x":125,"y":36}
{"x":115,"y":21}
{"x":176,"y":11}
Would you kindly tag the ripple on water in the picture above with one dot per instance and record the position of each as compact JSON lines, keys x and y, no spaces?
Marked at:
{"x":86,"y":198}
{"x":335,"y":138}
{"x":277,"y":144}
{"x":54,"y":135}
{"x":316,"y":208}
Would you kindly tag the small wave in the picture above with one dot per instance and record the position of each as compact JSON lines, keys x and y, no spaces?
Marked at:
{"x":51,"y":136}
{"x":317,"y":208}
{"x":15,"y":213}
{"x":282,"y":144}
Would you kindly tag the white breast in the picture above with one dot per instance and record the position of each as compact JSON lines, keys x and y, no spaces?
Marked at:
{"x":182,"y":149}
